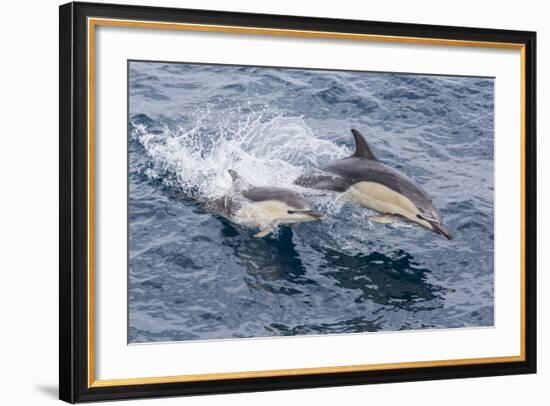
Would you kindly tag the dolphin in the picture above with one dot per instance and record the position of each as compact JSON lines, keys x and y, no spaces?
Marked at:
{"x":373,"y":184}
{"x":262,"y":207}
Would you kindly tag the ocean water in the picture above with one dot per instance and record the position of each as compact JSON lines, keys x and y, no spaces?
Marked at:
{"x":195,"y":276}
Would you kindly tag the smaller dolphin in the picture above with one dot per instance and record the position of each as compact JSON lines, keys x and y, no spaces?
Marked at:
{"x":262,"y":207}
{"x":375,"y":185}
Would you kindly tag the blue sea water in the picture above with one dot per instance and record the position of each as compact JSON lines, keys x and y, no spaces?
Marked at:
{"x":194,"y":275}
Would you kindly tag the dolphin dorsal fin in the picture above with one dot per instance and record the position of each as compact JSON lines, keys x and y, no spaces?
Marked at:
{"x":238,"y":182}
{"x":362,"y":149}
{"x":234,"y":175}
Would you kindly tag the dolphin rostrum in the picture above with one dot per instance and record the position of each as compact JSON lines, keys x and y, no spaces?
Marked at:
{"x":262,"y":207}
{"x":373,"y":184}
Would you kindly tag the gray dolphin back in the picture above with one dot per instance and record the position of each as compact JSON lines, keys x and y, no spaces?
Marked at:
{"x":324,"y":181}
{"x":261,"y":194}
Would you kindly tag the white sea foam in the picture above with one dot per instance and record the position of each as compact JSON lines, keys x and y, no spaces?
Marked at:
{"x":265,"y":152}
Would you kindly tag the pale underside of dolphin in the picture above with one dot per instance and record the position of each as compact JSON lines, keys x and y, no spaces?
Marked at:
{"x":262,"y":207}
{"x":374,"y":185}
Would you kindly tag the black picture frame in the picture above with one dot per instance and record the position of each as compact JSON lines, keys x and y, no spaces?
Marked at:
{"x":74,"y":383}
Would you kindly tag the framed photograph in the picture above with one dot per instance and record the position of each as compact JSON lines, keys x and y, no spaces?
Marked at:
{"x":255,"y":202}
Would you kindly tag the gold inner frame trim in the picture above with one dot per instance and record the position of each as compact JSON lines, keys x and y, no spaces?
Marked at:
{"x":299,"y":371}
{"x":94,"y":22}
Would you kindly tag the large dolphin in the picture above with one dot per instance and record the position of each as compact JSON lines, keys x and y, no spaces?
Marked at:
{"x":375,"y":185}
{"x":262,"y":207}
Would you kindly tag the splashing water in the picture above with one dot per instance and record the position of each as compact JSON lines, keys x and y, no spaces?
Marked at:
{"x":265,"y":149}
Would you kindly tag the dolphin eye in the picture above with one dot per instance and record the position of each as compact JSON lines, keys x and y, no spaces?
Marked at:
{"x":290,"y":211}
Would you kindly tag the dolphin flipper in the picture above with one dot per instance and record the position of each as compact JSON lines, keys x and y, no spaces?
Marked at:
{"x":384,"y":219}
{"x":266,"y":230}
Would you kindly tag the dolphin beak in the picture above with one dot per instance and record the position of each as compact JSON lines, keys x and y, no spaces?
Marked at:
{"x":314,"y":214}
{"x":441,"y":229}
